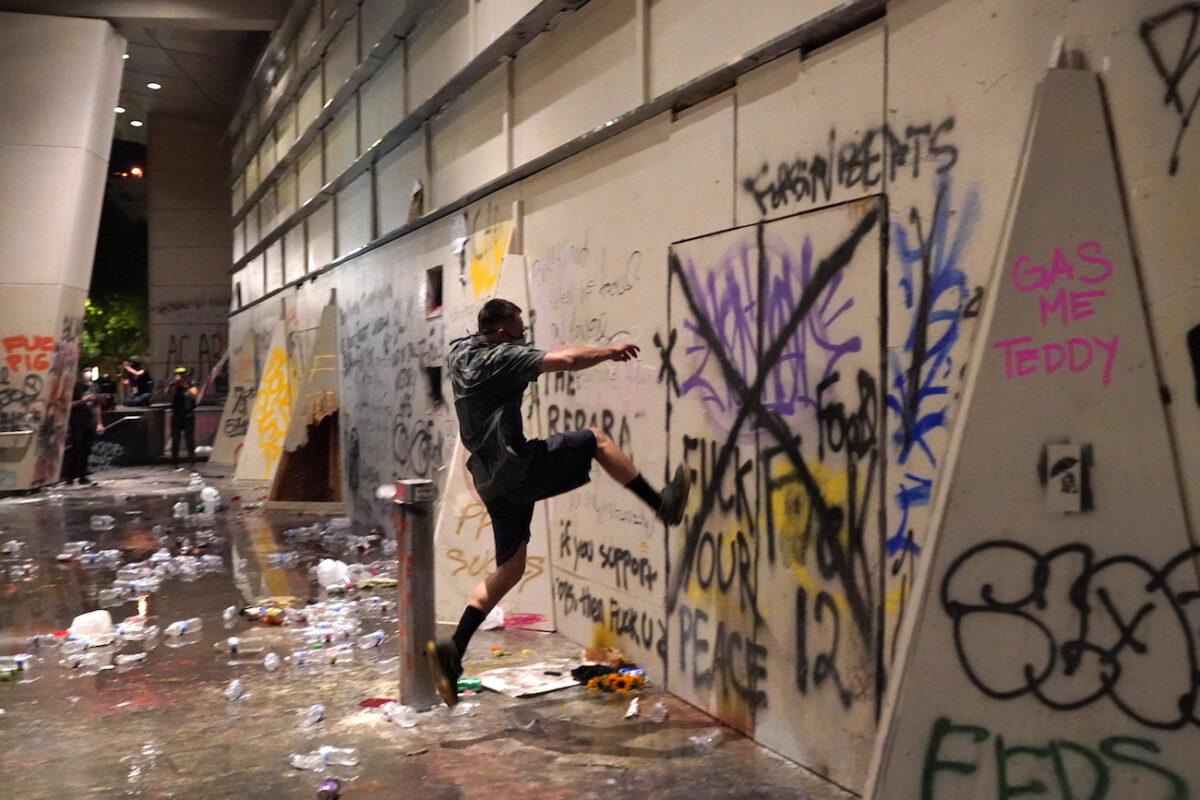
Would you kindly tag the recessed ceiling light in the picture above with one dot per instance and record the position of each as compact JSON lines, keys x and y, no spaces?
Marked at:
{"x":119,"y":109}
{"x":137,"y":123}
{"x":125,"y":56}
{"x":154,"y":86}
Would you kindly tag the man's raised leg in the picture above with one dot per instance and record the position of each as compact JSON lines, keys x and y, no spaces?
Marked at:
{"x":669,"y":505}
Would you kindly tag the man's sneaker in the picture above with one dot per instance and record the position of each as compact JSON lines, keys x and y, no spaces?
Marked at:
{"x":675,"y":496}
{"x":84,"y":481}
{"x":446,"y":666}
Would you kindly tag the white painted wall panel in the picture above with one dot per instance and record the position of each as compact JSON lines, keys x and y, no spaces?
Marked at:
{"x":439,"y":48}
{"x":810,"y":132}
{"x":575,"y":77}
{"x":250,"y":176}
{"x":354,"y":215}
{"x":286,"y":131}
{"x":494,"y":17}
{"x":309,"y":30}
{"x":341,"y":58}
{"x":268,"y":211}
{"x":252,"y":227}
{"x":382,"y":100}
{"x":287,"y":192}
{"x":320,"y":236}
{"x":252,"y":279}
{"x":273,"y":266}
{"x":468,"y":146}
{"x":378,"y":16}
{"x":341,"y":141}
{"x":310,"y":177}
{"x":310,"y":102}
{"x":239,"y":195}
{"x":239,"y":240}
{"x":395,"y":176}
{"x":295,"y":256}
{"x":691,"y":37}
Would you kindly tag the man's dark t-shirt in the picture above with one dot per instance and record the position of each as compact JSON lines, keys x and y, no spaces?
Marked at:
{"x":182,"y":403}
{"x":489,"y":381}
{"x":82,"y":414}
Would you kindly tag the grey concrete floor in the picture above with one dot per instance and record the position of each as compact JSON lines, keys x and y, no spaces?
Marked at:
{"x":163,"y":729}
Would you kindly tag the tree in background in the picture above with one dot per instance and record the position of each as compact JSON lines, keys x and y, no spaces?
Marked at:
{"x":116,"y":313}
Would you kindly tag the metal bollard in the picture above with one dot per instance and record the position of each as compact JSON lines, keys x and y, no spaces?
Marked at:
{"x":415,"y":611}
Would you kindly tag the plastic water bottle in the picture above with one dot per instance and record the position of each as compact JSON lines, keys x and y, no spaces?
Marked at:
{"x":211,"y":499}
{"x":234,"y":690}
{"x":311,"y":715}
{"x":340,"y":756}
{"x":125,"y":659}
{"x":179,"y":510}
{"x":658,"y":712}
{"x":283,"y":560}
{"x":313,"y":761}
{"x":197,"y":482}
{"x":705,"y":743}
{"x":369,"y":640}
{"x":180,"y":627}
{"x":241,"y":645}
{"x":270,"y":662}
{"x":299,"y":658}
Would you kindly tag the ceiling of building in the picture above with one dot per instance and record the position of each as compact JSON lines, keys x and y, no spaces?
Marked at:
{"x":200,"y":52}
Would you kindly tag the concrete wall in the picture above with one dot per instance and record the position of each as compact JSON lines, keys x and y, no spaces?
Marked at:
{"x":55,"y":133}
{"x":817,"y":229}
{"x":190,"y":245}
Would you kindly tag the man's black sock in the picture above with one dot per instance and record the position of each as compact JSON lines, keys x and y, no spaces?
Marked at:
{"x":471,"y":619}
{"x":642,"y":489}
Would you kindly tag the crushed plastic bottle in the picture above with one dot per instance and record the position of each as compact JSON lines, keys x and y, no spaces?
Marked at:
{"x":399,"y":714}
{"x":370,"y":640}
{"x":108,"y":598}
{"x":234,"y":690}
{"x":634,"y":709}
{"x":270,"y":662}
{"x":299,"y":658}
{"x":229,"y":616}
{"x":125,"y":659}
{"x":103,"y":522}
{"x":211,"y":499}
{"x":242,"y":645}
{"x":75,"y":548}
{"x":705,"y":743}
{"x":310,"y":716}
{"x":311,"y":762}
{"x":197,"y":482}
{"x":658,"y":713}
{"x":179,"y":510}
{"x":286,"y":560}
{"x":464,"y":709}
{"x":11,"y":548}
{"x":339,"y":756}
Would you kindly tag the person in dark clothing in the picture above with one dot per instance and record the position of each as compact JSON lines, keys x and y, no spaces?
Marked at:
{"x":106,"y":389}
{"x":141,"y":385}
{"x":82,"y":426}
{"x":183,"y":414}
{"x":489,"y":372}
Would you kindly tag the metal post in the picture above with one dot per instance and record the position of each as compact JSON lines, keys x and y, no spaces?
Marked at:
{"x":414,"y":614}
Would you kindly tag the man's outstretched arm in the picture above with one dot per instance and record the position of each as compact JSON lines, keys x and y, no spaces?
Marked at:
{"x":573,"y":359}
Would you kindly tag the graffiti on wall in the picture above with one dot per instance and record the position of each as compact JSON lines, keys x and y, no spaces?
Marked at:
{"x":1175,"y":61}
{"x":862,"y":162}
{"x":929,"y":250}
{"x":272,"y":409}
{"x":778,"y":336}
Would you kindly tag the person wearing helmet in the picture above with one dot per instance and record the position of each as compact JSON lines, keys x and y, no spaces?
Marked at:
{"x":183,"y":414}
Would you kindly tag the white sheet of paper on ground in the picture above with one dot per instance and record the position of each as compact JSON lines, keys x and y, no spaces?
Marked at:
{"x":529,"y":679}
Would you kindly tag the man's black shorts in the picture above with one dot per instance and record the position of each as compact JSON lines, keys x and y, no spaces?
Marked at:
{"x":557,"y":465}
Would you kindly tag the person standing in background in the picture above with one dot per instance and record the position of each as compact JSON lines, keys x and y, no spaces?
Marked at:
{"x":183,"y":414}
{"x":82,"y":426}
{"x":137,"y":377}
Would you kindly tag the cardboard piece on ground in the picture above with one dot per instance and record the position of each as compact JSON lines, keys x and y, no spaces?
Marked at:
{"x":528,"y":680}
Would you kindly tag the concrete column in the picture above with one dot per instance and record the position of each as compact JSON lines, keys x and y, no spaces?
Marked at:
{"x":191,"y":244}
{"x":56,"y":123}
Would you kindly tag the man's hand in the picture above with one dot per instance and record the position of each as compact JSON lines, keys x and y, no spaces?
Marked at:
{"x":100,"y":428}
{"x":624,"y":352}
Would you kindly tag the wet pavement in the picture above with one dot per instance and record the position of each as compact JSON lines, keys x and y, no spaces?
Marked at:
{"x":162,"y":727}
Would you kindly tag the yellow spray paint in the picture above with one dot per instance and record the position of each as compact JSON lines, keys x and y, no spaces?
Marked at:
{"x":485,"y":255}
{"x":273,"y":408}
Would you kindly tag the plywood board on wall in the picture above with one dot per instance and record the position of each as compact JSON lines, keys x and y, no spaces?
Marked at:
{"x":774,"y":594}
{"x":272,"y":412}
{"x":810,"y":132}
{"x":239,"y":403}
{"x":1051,"y":624}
